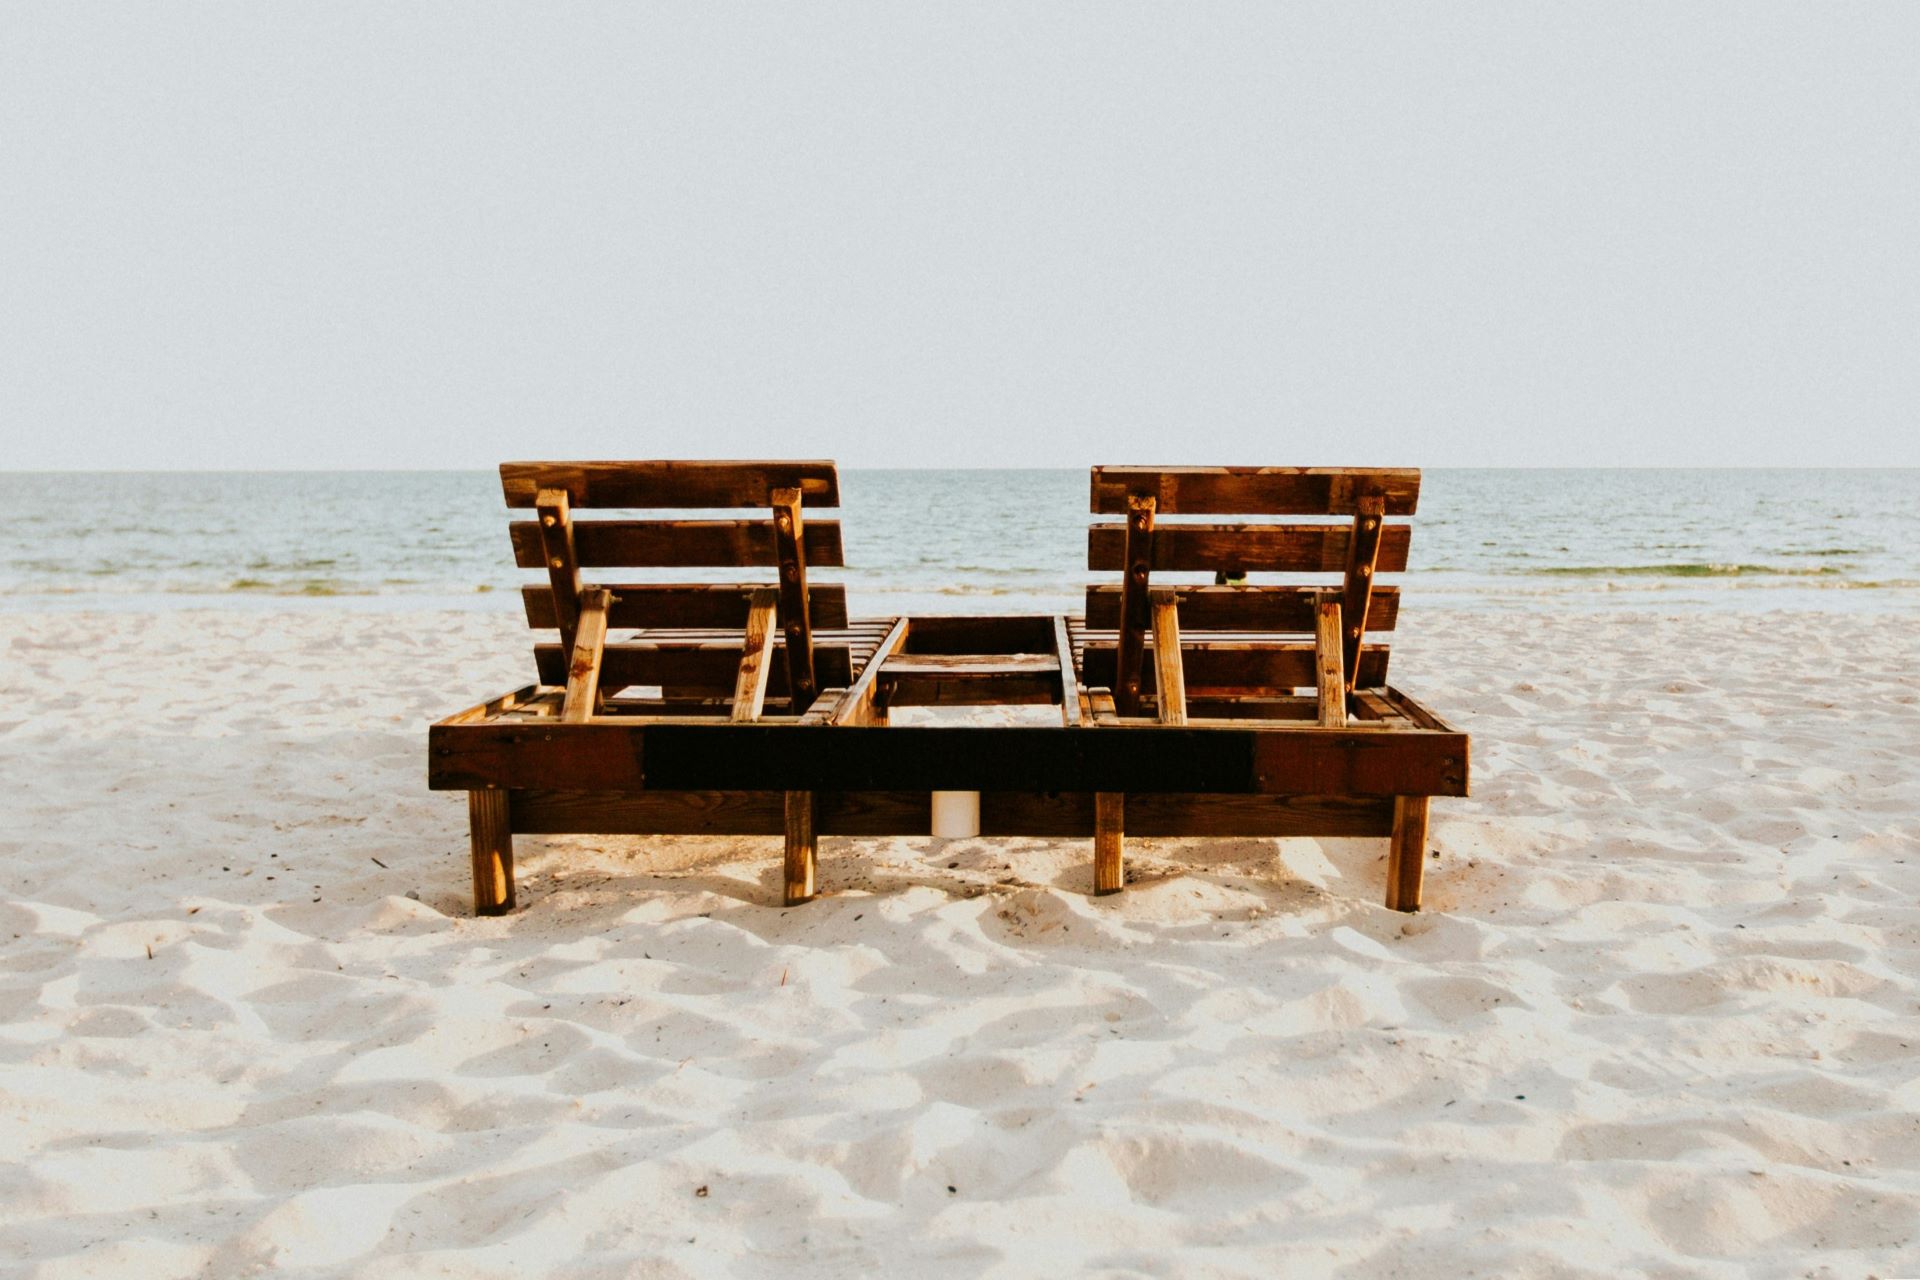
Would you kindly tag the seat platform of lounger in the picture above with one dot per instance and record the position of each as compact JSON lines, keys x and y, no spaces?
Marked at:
{"x":1219,"y":706}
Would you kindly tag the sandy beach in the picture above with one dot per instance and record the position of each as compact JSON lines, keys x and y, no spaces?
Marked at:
{"x":1659,"y":1018}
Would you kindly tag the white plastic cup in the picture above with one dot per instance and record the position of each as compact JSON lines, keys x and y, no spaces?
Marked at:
{"x":956,"y":813}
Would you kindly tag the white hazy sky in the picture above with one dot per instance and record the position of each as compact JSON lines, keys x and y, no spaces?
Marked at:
{"x":379,"y":235}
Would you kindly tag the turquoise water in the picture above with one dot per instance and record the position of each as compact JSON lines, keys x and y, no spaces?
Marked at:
{"x":965,"y":541}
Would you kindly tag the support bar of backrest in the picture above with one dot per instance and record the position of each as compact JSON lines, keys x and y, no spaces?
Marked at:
{"x":790,"y":550}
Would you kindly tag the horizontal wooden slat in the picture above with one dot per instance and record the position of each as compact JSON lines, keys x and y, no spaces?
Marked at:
{"x":1241,"y":666}
{"x":969,"y":680}
{"x":980,"y":633}
{"x":1250,"y":608}
{"x":671,"y":484}
{"x":710,"y":665}
{"x":692,"y":605}
{"x":602,"y":544}
{"x":1248,"y":548}
{"x":884,"y":813}
{"x":1283,"y":760}
{"x":1279,"y":491}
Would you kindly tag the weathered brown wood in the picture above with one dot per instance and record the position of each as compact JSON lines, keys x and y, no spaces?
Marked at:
{"x":1063,"y":815}
{"x":721,"y":606}
{"x":1406,"y":855}
{"x":1100,"y":707}
{"x":1362,"y":762}
{"x":1246,"y":548}
{"x":969,"y":680}
{"x":1135,"y":543}
{"x":696,"y":754}
{"x":1251,"y":608}
{"x":677,"y":543}
{"x":494,"y":706}
{"x":1170,"y":680}
{"x":1245,"y":666}
{"x":701,"y":664}
{"x":670,"y":484}
{"x":1365,"y":553}
{"x":980,"y":634}
{"x":1069,"y":683}
{"x":803,"y":847}
{"x":795,"y":619}
{"x":1330,"y":665}
{"x":554,"y":545}
{"x":756,"y":657}
{"x":1281,"y":491}
{"x":490,"y":833}
{"x":589,"y":650}
{"x":857,"y":706}
{"x":1109,"y":842}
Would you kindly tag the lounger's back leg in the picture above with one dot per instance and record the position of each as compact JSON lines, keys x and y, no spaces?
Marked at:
{"x":1406,"y":865}
{"x":803,"y":847}
{"x":1109,"y":841}
{"x":491,"y":832}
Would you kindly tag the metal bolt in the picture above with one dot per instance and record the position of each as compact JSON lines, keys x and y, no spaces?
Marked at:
{"x":557,"y":563}
{"x":784,"y":521}
{"x":548,"y":521}
{"x":1366,"y":571}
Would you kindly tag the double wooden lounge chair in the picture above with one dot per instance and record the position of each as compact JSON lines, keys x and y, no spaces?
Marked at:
{"x":1187,"y":708}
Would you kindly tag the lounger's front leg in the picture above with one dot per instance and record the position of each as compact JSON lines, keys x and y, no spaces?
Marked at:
{"x":1109,"y":841}
{"x":491,"y":832}
{"x":1406,"y":856}
{"x":803,"y":846}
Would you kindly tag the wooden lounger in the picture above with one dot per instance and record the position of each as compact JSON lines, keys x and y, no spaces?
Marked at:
{"x":763,"y":709}
{"x":1227,"y":650}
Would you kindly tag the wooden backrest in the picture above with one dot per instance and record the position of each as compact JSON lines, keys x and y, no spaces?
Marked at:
{"x":579,"y":553}
{"x":1348,"y":540}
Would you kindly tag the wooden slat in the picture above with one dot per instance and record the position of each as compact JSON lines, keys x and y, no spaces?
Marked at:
{"x":556,"y":551}
{"x":980,"y":633}
{"x":1251,"y":667}
{"x":789,"y":540}
{"x":1170,"y":681}
{"x":677,"y":543}
{"x":1064,"y":815}
{"x":670,"y":484}
{"x":969,"y":680}
{"x":1244,"y":548}
{"x":773,"y":756}
{"x":1134,"y":546}
{"x":1069,"y":685}
{"x":1365,"y":550}
{"x":756,"y":658}
{"x":1250,"y":608}
{"x":1278,"y":491}
{"x":1329,"y":665}
{"x":717,"y":605}
{"x":857,"y":705}
{"x":589,"y":648}
{"x":710,"y":664}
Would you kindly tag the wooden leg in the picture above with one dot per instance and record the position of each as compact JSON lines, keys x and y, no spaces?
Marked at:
{"x":1109,"y":841}
{"x":803,"y":847}
{"x":1406,"y":856}
{"x":492,"y":837}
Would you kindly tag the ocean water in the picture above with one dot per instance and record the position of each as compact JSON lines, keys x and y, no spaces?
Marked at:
{"x":967,"y":541}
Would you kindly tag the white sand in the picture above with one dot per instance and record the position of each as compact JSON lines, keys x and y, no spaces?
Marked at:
{"x":1661,"y":1017}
